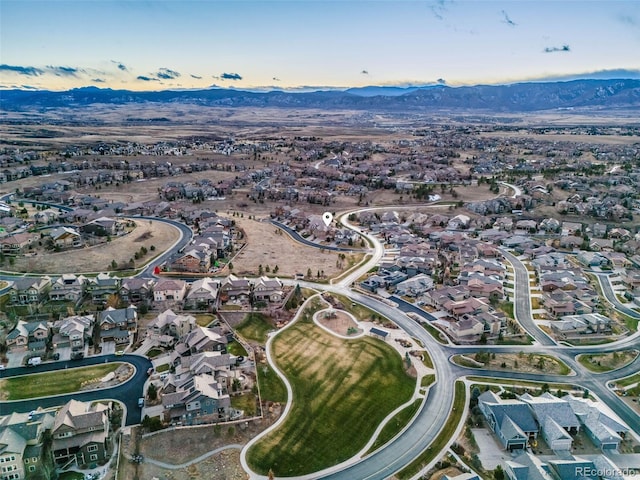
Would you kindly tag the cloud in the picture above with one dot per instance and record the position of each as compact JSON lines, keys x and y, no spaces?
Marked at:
{"x":121,"y":66}
{"x":146,"y":79}
{"x":438,"y":9}
{"x":197,"y":77}
{"x":230,"y":76}
{"x":98,"y":80}
{"x":64,"y":71}
{"x":508,"y":20}
{"x":629,"y":20}
{"x":364,"y":72}
{"x":167,"y":74}
{"x":20,"y":70}
{"x":564,"y":48}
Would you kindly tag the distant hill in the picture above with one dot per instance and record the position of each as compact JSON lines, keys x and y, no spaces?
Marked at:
{"x":519,"y":97}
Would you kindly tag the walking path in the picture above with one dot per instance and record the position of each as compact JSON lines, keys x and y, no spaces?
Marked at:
{"x":170,"y":466}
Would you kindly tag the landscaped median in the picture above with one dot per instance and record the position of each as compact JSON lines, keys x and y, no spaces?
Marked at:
{"x":54,"y":383}
{"x":515,"y":362}
{"x":606,"y":362}
{"x":342,"y":390}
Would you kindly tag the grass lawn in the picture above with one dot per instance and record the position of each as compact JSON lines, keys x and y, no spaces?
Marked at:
{"x":71,"y":476}
{"x":236,"y":348}
{"x":436,"y":448}
{"x":163,"y":368}
{"x":271,"y":387}
{"x":625,"y":382}
{"x":245,"y":402}
{"x":507,"y":307}
{"x":396,"y":424}
{"x":630,"y":322}
{"x":428,"y":380}
{"x":607,"y":361}
{"x":204,"y":319}
{"x":53,"y":383}
{"x":255,"y":326}
{"x":359,"y":311}
{"x":523,"y":383}
{"x":342,"y":390}
{"x":435,"y":333}
{"x":154,"y":352}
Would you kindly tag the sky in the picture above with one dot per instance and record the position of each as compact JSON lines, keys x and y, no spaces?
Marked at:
{"x":297,"y":44}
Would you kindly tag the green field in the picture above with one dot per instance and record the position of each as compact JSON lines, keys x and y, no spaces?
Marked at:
{"x":271,"y":386}
{"x":255,"y":326}
{"x":342,"y":390}
{"x":53,"y":383}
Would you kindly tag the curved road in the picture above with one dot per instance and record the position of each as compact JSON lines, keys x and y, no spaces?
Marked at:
{"x":128,"y":393}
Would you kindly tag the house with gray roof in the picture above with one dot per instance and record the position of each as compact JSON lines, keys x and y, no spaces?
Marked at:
{"x":605,"y":432}
{"x":199,"y":400}
{"x":81,"y":434}
{"x":546,"y":406}
{"x":22,"y":445}
{"x":511,"y":420}
{"x":118,"y":325}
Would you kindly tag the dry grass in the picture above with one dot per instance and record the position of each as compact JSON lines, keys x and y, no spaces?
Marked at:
{"x":99,"y":258}
{"x":265,"y":247}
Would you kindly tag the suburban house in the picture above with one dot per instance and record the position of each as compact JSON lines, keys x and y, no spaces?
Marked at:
{"x":31,"y":336}
{"x":193,"y":261}
{"x":29,"y":290}
{"x":169,"y":289}
{"x":605,"y":432}
{"x":511,"y":420}
{"x":65,"y":237}
{"x":414,"y":286}
{"x":202,"y":294}
{"x":103,"y":227}
{"x":81,"y":434}
{"x":171,"y":325}
{"x":267,"y":289}
{"x":136,"y":290}
{"x":101,"y":287}
{"x":233,"y":288}
{"x":571,"y":326}
{"x":73,"y":332}
{"x":16,"y":244}
{"x":201,"y":339}
{"x":68,"y":287}
{"x":118,"y":325}
{"x":22,"y":437}
{"x":199,"y":400}
{"x":556,"y":419}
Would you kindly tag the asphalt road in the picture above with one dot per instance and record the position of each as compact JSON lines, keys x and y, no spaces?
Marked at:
{"x":298,"y":238}
{"x":607,"y":289}
{"x":128,"y":393}
{"x":522,"y":301}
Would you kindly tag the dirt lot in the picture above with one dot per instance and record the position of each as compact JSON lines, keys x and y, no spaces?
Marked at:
{"x":180,"y":446}
{"x":265,"y":247}
{"x":340,"y":323}
{"x":98,"y":258}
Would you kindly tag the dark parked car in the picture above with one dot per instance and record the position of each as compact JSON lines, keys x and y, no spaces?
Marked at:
{"x":77,"y":355}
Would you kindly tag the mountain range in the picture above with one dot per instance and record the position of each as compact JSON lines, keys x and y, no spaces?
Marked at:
{"x":518,"y":97}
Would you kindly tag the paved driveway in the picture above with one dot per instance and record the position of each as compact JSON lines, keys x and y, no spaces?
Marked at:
{"x":491,"y":454}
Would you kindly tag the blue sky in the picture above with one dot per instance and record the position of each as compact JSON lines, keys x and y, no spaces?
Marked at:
{"x":143,"y":45}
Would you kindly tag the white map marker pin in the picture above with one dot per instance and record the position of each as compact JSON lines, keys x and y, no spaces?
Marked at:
{"x":327,"y":217}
